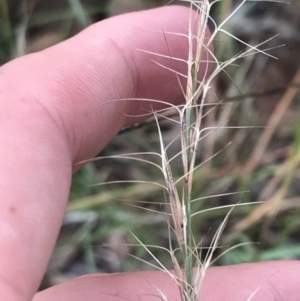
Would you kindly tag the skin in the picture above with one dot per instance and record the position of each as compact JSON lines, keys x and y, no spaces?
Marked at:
{"x":51,"y":117}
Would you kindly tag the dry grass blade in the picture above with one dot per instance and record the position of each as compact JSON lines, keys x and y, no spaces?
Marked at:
{"x":273,"y":122}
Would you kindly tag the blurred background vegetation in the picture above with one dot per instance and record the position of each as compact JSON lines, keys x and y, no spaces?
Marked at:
{"x":260,"y":100}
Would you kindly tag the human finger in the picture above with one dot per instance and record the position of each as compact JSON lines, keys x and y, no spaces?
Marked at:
{"x":52,"y":116}
{"x":268,"y":281}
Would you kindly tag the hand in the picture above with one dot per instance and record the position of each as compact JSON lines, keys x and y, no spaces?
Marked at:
{"x":51,"y":117}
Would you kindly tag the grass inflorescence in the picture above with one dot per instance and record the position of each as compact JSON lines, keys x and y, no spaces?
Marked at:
{"x":189,"y":261}
{"x":190,"y":258}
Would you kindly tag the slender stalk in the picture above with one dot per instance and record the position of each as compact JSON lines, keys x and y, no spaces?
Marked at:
{"x":191,"y":121}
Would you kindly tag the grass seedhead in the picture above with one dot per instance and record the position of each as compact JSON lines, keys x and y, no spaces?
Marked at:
{"x":191,"y":133}
{"x":189,"y":265}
